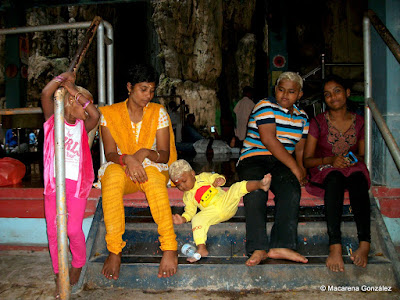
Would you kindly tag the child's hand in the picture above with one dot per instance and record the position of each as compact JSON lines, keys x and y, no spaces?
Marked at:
{"x":178,"y":219}
{"x":219,"y":182}
{"x":68,"y":76}
{"x":70,"y":86}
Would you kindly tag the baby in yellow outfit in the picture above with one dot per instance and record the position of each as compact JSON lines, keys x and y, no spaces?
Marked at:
{"x":204,"y":191}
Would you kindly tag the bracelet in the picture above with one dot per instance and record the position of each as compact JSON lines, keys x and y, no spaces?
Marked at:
{"x":158,"y":156}
{"x":86,"y":104}
{"x":77,"y":97}
{"x":59,"y":79}
{"x":120,"y":159}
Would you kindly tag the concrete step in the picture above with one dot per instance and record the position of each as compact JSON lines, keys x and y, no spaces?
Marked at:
{"x":224,"y":269}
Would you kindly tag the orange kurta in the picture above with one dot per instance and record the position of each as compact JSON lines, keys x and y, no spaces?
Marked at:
{"x":115,"y":183}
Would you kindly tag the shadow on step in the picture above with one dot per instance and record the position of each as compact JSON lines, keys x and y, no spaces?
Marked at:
{"x":225,"y":267}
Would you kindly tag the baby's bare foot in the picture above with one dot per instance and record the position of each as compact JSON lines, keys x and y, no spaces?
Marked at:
{"x":334,"y":262}
{"x":202,"y":250}
{"x":265,"y":183}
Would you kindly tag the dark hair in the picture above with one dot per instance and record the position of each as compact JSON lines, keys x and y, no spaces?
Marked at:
{"x":351,"y":106}
{"x":190,"y":118}
{"x":247,"y":89}
{"x":343,"y":82}
{"x":141,"y":73}
{"x":172,"y":105}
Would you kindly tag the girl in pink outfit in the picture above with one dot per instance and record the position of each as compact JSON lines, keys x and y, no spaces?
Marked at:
{"x":81,"y":116}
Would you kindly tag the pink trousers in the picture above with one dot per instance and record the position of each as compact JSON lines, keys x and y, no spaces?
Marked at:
{"x":75,"y":210}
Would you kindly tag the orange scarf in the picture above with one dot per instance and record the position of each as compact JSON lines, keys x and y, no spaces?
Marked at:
{"x":119,"y":124}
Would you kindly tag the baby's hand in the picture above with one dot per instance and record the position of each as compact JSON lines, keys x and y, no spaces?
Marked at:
{"x":178,"y":219}
{"x":218,"y":182}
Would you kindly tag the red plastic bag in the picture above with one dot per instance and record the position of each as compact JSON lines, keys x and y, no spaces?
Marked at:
{"x":11,"y":171}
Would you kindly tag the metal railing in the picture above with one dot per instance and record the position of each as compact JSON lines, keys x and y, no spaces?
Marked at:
{"x":324,"y":64}
{"x":59,"y":120}
{"x":370,"y":108}
{"x":182,"y":113}
{"x":105,"y":63}
{"x":322,"y":68}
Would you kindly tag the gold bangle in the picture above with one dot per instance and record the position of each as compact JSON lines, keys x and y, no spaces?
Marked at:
{"x":76,"y":96}
{"x":158,"y":156}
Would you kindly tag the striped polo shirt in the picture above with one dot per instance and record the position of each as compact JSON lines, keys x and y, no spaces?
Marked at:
{"x":290,"y":129}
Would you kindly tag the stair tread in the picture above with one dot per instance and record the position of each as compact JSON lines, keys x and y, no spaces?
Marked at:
{"x":218,"y":260}
{"x":306,"y":214}
{"x":225,"y":267}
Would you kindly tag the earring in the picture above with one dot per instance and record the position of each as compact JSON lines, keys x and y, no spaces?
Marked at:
{"x":129,"y":92}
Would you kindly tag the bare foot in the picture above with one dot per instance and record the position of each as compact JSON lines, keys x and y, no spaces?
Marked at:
{"x":265,"y":183}
{"x":257,"y":257}
{"x":334,"y":262}
{"x":111,"y":266}
{"x":168,"y":264}
{"x":57,"y":293}
{"x":74,"y":274}
{"x":289,"y":254}
{"x":360,"y":256}
{"x":202,"y":250}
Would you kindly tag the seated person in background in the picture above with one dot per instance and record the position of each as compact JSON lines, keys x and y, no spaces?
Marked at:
{"x":175,"y":120}
{"x":11,"y":139}
{"x":332,"y":135}
{"x":243,"y":110}
{"x":189,"y":131}
{"x":203,"y":191}
{"x":32,"y":140}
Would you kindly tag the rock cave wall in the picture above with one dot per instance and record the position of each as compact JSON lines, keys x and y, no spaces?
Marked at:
{"x":206,"y":49}
{"x":195,"y":37}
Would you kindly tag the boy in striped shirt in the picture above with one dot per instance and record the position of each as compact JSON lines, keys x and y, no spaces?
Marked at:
{"x":276,"y":134}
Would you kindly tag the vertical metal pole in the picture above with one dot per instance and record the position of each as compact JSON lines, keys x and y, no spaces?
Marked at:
{"x":110,"y":63}
{"x":110,"y":75}
{"x":367,"y":91}
{"x":101,"y":77}
{"x":62,"y":238}
{"x":323,"y":78}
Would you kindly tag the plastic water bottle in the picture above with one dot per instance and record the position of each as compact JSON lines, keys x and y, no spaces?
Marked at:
{"x":190,"y":251}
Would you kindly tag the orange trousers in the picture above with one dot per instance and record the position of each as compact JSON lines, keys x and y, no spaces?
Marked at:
{"x":115,"y":184}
